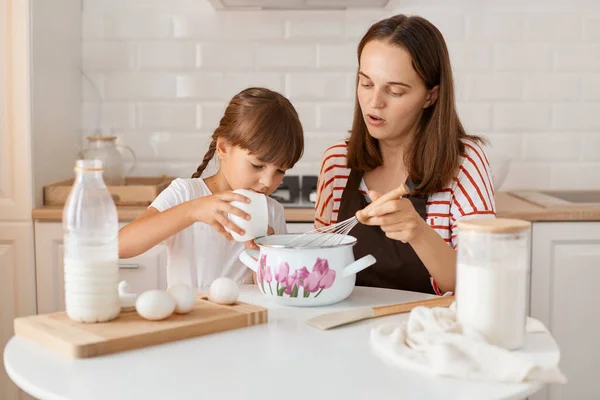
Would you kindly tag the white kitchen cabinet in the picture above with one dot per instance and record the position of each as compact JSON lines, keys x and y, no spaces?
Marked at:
{"x":143,"y":272}
{"x":17,"y":269}
{"x":565,"y":278}
{"x":17,"y":289}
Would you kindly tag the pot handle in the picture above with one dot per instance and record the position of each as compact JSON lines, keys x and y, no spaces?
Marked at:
{"x":248,"y":260}
{"x":358,"y":265}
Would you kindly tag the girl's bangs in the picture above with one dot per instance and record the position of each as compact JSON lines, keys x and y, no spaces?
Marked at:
{"x":275,"y":141}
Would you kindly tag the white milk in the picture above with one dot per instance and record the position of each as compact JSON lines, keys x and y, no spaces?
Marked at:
{"x":493,"y":301}
{"x":91,"y":247}
{"x":91,"y":289}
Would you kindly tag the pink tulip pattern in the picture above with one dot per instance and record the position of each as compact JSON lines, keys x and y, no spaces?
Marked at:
{"x":320,"y":278}
{"x":264,"y":274}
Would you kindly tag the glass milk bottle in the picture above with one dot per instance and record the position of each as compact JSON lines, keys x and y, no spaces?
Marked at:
{"x":492,"y":279}
{"x":91,"y":247}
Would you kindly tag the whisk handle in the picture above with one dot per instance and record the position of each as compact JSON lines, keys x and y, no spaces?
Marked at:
{"x":392,"y":195}
{"x":400,"y":191}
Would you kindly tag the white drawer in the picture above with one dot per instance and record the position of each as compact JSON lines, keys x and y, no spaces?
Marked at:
{"x":146,"y":271}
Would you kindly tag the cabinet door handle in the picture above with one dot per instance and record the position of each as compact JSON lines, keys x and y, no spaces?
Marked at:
{"x":129,"y":266}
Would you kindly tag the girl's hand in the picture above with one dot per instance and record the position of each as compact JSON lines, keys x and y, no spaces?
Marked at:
{"x":212,"y":210}
{"x":250,"y":245}
{"x":396,"y":216}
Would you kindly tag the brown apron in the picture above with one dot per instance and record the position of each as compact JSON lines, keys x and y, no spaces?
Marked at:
{"x":397,"y":266}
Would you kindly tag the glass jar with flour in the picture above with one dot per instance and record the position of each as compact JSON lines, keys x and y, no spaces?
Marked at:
{"x":492,"y":278}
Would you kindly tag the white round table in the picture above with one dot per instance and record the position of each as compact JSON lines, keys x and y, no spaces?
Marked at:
{"x":283,"y":359}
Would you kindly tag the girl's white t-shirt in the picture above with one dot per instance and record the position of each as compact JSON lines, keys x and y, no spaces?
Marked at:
{"x":198,"y":255}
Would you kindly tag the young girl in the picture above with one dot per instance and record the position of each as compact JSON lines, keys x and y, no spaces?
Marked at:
{"x":405,"y":130}
{"x":259,"y":137}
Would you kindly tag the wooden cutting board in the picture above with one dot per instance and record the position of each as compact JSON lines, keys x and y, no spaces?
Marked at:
{"x":129,"y":331}
{"x":136,"y":191}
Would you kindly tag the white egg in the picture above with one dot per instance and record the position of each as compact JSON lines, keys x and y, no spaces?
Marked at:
{"x":128,"y":301}
{"x":155,"y":305}
{"x":126,"y":298}
{"x":124,"y":287}
{"x":223,"y":291}
{"x":184,"y":296}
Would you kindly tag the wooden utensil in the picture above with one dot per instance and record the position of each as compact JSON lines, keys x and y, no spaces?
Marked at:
{"x":130,"y":331}
{"x":332,"y":320}
{"x":400,"y":191}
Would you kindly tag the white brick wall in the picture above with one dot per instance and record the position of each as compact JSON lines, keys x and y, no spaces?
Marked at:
{"x":527,"y":77}
{"x":166,"y":54}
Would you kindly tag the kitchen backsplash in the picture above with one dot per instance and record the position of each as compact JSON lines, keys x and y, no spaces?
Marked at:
{"x":527,"y":79}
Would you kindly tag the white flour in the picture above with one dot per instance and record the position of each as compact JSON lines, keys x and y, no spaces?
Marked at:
{"x":493,"y":300}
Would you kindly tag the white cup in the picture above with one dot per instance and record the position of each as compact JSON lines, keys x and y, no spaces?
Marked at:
{"x":258,"y":224}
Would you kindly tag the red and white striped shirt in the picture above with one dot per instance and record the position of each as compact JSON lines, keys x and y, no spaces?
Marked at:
{"x":469,"y":195}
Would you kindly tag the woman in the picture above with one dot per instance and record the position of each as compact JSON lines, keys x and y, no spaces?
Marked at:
{"x":405,"y":130}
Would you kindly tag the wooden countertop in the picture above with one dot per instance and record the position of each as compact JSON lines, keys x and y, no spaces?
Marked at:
{"x":507,"y":206}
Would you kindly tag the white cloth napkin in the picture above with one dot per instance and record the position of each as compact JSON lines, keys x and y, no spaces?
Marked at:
{"x":433,"y":341}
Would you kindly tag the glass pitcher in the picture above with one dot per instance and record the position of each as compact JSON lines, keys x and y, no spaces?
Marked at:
{"x":105,"y":149}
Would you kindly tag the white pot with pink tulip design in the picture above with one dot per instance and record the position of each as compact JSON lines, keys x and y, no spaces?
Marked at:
{"x":305,"y":276}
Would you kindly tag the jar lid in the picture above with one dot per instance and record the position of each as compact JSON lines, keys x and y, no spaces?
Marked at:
{"x":101,"y":138}
{"x":494,"y":225}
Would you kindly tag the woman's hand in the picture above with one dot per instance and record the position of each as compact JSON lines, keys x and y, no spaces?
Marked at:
{"x":400,"y":221}
{"x":250,"y":245}
{"x":212,"y":210}
{"x":396,"y":216}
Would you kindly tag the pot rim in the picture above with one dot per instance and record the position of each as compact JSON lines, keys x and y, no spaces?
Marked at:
{"x":283,"y":246}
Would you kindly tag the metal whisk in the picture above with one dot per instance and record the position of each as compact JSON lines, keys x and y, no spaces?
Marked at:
{"x":333,"y":235}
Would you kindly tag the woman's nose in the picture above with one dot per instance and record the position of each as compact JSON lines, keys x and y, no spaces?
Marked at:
{"x":377,"y":100}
